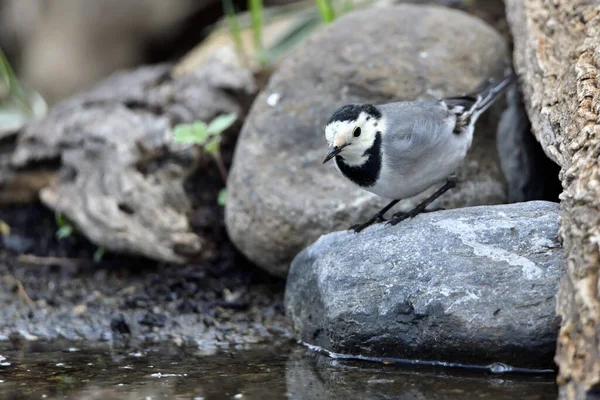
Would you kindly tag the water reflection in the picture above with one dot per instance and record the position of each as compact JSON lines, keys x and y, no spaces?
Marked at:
{"x":263,"y":372}
{"x":313,"y":376}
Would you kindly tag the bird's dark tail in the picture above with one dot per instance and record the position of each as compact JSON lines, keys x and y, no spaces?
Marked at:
{"x":481,"y":98}
{"x":488,"y":94}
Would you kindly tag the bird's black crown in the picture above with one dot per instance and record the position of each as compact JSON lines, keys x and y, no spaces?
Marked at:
{"x":351,"y":112}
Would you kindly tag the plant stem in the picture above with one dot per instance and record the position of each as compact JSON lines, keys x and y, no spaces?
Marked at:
{"x":221,"y":166}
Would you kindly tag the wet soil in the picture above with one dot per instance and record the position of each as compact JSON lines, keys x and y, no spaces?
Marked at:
{"x":53,"y":289}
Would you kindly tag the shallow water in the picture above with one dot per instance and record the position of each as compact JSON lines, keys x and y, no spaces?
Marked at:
{"x":261,"y":372}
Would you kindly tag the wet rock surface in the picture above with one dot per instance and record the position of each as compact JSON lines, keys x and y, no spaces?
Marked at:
{"x":281,"y":198}
{"x":474,"y":285}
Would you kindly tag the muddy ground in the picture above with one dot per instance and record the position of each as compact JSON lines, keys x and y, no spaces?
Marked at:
{"x":52,"y":288}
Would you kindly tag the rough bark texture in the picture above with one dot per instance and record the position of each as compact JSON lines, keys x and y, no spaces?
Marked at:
{"x":557,"y":54}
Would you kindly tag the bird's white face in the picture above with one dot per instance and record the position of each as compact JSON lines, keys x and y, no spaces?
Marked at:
{"x":352,"y":138}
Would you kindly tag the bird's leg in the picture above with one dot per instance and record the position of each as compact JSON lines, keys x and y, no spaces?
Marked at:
{"x":406,"y":213}
{"x":399,"y":217}
{"x":376,"y":218}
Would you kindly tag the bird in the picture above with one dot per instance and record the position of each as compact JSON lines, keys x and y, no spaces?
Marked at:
{"x":398,"y":150}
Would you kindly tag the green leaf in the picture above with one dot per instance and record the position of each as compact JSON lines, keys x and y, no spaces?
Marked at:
{"x":60,"y":220}
{"x":99,"y":254}
{"x":221,"y":123}
{"x":191,"y":133}
{"x":184,"y":133}
{"x":222,"y":199}
{"x":64,"y":231}
{"x":212,"y":147}
{"x":199,"y":127}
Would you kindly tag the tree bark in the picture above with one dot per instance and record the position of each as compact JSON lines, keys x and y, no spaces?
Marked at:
{"x":557,"y":55}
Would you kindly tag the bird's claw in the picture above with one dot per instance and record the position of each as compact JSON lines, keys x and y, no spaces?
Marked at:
{"x":359,"y":227}
{"x":434,"y":209}
{"x":401,"y":216}
{"x":396,"y":219}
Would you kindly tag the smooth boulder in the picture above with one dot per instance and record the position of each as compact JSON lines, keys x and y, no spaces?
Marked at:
{"x":280,"y":196}
{"x":472,"y":285}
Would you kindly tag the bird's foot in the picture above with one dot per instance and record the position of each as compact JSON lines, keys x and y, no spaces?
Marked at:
{"x":359,"y":227}
{"x":402,"y":215}
{"x":433,"y":209}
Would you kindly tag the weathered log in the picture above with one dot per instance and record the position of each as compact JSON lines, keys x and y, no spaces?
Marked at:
{"x":120,"y":175}
{"x":557,"y":55}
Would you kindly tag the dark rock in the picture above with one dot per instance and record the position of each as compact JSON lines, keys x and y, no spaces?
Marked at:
{"x":17,"y":243}
{"x":473,"y":285}
{"x":119,"y":325}
{"x":151,"y":320}
{"x":280,"y":197}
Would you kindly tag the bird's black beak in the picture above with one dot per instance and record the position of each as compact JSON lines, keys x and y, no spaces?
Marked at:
{"x":332,"y":152}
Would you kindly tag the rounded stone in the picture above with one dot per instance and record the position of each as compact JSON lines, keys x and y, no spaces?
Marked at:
{"x":281,"y":197}
{"x":475,"y":285}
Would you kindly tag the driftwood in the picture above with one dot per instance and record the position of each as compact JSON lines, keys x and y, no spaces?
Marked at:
{"x":119,"y":175}
{"x":557,"y":55}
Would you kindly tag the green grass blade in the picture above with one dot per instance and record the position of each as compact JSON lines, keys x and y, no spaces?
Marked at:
{"x":326,"y":10}
{"x":234,"y":28}
{"x":256,"y":14}
{"x":15,"y":89}
{"x":294,"y":36}
{"x":99,"y":254}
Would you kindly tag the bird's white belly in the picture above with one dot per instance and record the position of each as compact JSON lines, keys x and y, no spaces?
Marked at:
{"x":397,"y":186}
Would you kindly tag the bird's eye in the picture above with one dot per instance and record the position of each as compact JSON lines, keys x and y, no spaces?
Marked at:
{"x":357,"y":131}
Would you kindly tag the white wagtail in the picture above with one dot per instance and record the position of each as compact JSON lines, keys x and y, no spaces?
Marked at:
{"x":398,"y":150}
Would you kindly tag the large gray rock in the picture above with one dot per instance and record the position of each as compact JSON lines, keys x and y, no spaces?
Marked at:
{"x":281,"y":198}
{"x":473,"y":285}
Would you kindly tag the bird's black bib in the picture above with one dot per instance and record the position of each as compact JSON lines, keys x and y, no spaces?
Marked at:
{"x":367,"y":174}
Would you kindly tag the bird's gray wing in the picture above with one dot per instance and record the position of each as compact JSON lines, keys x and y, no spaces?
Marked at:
{"x":414,"y":130}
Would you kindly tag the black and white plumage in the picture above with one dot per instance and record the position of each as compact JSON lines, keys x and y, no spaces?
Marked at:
{"x":399,"y":150}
